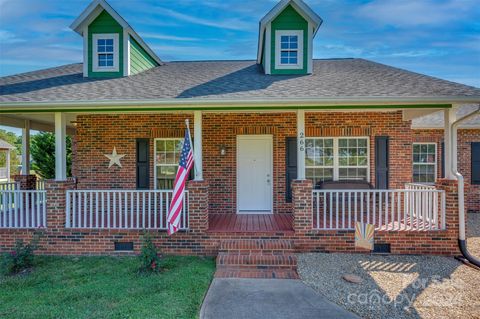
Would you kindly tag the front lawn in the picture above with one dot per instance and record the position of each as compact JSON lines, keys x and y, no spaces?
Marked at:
{"x":106,"y":287}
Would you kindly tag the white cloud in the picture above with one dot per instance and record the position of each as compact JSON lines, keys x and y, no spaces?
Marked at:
{"x":9,"y":37}
{"x":232,"y":24}
{"x":412,"y":13}
{"x":166,"y":37}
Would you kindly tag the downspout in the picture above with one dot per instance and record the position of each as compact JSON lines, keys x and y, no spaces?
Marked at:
{"x":461,"y":190}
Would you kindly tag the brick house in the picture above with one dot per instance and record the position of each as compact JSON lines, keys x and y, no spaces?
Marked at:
{"x":287,"y":147}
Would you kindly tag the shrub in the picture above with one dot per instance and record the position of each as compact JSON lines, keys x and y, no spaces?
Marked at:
{"x":149,"y":259}
{"x":20,"y":258}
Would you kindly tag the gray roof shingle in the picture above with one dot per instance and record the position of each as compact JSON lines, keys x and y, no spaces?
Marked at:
{"x":230,"y":80}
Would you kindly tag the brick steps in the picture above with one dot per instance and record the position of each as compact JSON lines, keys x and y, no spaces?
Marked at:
{"x":261,"y":258}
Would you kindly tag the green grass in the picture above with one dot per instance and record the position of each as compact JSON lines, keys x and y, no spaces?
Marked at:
{"x":106,"y":287}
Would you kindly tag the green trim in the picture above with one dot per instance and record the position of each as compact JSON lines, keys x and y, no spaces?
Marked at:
{"x":230,"y":108}
{"x":140,"y":60}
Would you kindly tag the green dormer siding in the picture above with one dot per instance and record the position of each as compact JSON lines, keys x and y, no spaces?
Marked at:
{"x":140,"y":60}
{"x":104,"y":23}
{"x":289,"y":19}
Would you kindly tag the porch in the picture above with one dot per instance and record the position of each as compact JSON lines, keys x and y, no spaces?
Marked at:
{"x":250,"y":223}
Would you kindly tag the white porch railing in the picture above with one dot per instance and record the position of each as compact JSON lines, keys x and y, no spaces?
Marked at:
{"x":418,"y":186}
{"x":121,"y":209}
{"x":392,"y":210}
{"x":22,"y":209}
{"x":11,"y":186}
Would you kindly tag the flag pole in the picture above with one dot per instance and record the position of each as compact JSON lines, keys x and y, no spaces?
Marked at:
{"x":187,"y":123}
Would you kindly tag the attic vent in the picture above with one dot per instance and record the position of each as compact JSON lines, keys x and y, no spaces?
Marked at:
{"x":123,"y":246}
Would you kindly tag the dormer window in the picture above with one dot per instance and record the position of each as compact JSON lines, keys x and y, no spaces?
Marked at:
{"x":289,"y":49}
{"x":105,"y":52}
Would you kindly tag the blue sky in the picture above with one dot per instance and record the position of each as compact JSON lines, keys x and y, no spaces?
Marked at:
{"x":435,"y":37}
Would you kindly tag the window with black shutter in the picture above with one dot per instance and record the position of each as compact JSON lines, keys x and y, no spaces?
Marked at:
{"x":476,"y":163}
{"x":381,"y":162}
{"x":291,"y":163}
{"x":143,"y":163}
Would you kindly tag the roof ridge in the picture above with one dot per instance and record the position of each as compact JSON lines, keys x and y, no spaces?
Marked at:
{"x":417,"y":73}
{"x":41,"y":70}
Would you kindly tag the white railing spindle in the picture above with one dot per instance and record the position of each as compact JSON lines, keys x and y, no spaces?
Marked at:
{"x":407,"y":209}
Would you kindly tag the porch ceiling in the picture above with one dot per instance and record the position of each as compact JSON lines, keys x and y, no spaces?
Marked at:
{"x":38,"y":121}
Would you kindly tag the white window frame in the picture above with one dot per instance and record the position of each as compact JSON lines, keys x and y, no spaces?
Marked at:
{"x":336,"y":165}
{"x":155,"y":164}
{"x":434,"y":164}
{"x":95,"y":53}
{"x":278,"y":49}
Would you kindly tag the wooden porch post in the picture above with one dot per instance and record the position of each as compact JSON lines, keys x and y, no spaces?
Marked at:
{"x":301,"y":145}
{"x":26,"y":148}
{"x":197,"y":147}
{"x":8,"y":166}
{"x":60,"y":147}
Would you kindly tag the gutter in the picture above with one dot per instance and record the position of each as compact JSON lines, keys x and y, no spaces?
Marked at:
{"x":461,"y":191}
{"x":192,"y":103}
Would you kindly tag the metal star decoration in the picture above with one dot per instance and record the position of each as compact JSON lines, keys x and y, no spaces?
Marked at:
{"x":114,"y":158}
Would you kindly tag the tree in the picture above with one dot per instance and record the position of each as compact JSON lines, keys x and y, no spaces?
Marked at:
{"x":43,"y":154}
{"x":16,"y":141}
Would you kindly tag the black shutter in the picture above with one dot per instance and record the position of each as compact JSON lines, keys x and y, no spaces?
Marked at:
{"x":381,"y":162}
{"x":443,"y":159}
{"x":143,"y":163}
{"x":476,"y":163}
{"x":291,"y":163}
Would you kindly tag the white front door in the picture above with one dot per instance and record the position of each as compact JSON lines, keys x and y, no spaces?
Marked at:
{"x":254,"y":174}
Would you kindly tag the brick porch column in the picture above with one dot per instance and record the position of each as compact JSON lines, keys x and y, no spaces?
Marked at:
{"x":451,"y":214}
{"x":198,"y":206}
{"x":302,"y":205}
{"x":27,"y":182}
{"x":56,"y":202}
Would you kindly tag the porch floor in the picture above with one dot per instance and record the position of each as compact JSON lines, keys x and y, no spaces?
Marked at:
{"x":250,"y":223}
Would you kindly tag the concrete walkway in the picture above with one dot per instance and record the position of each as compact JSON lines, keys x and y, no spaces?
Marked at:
{"x":235,"y":298}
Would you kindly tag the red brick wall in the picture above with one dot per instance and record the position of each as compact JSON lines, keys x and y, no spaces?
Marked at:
{"x":98,"y":134}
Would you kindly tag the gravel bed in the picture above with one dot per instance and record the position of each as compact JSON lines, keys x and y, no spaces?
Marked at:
{"x":395,"y":286}
{"x":473,"y":233}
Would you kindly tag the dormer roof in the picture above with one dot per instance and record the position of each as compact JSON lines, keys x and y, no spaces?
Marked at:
{"x":301,"y":7}
{"x":94,"y":9}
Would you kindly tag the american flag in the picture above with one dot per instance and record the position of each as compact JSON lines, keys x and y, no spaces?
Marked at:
{"x":184,"y":167}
